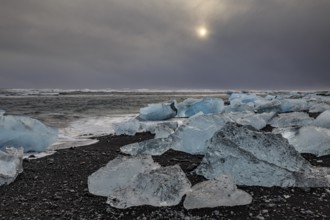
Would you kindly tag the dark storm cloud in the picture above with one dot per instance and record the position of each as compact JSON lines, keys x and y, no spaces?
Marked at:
{"x":273,"y":44}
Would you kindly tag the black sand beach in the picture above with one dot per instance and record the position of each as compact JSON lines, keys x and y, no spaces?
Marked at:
{"x":55,"y":187}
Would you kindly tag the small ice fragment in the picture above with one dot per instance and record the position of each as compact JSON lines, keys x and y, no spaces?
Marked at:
{"x":221,"y":191}
{"x":11,"y":160}
{"x":158,"y":111}
{"x":291,"y":119}
{"x":29,"y":133}
{"x":191,"y":107}
{"x":118,"y":173}
{"x":2,"y":112}
{"x":323,"y":120}
{"x":164,"y":186}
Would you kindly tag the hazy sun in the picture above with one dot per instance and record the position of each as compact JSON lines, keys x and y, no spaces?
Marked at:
{"x":202,"y":32}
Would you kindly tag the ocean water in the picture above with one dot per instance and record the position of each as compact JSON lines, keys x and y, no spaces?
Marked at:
{"x":81,"y":114}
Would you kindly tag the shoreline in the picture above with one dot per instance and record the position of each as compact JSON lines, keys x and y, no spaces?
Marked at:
{"x":55,"y":187}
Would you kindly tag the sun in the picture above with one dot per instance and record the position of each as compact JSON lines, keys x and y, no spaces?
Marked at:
{"x":202,"y":32}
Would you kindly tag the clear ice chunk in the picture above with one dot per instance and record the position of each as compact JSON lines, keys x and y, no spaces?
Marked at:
{"x":11,"y":160}
{"x":118,"y":173}
{"x":294,"y":105}
{"x":31,"y":134}
{"x":323,"y":120}
{"x":2,"y":112}
{"x":164,"y":186}
{"x":129,"y":127}
{"x":291,"y":119}
{"x":191,"y":107}
{"x":318,"y":107}
{"x":158,"y":111}
{"x":161,"y":129}
{"x":258,"y":121}
{"x":258,"y":159}
{"x":191,"y":137}
{"x":309,"y":139}
{"x":221,"y":191}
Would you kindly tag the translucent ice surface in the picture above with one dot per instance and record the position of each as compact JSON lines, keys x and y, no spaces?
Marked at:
{"x":10,"y":164}
{"x":191,"y":137}
{"x":291,"y":119}
{"x":31,"y":134}
{"x":118,"y":173}
{"x":158,"y":111}
{"x":161,"y":129}
{"x":221,"y":191}
{"x":294,"y":105}
{"x":309,"y":139}
{"x":258,"y":159}
{"x":190,"y":107}
{"x":164,"y":186}
{"x":255,"y":120}
{"x":2,"y":112}
{"x":129,"y":127}
{"x":323,"y":120}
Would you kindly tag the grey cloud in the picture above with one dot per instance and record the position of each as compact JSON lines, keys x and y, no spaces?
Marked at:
{"x":152,"y":44}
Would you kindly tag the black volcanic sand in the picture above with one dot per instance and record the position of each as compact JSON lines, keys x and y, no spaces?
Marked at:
{"x":55,"y":187}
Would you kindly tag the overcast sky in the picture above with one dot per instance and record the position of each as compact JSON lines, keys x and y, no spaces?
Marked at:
{"x":248,"y":44}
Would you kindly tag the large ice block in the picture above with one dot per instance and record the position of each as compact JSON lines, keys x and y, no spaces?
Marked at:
{"x":31,"y":134}
{"x":158,"y":111}
{"x":118,"y":173}
{"x":323,"y":120}
{"x":309,"y":139}
{"x":221,"y":191}
{"x":258,"y":159}
{"x":291,"y":119}
{"x":191,"y":107}
{"x":11,"y":160}
{"x":257,"y":121}
{"x":161,"y":187}
{"x":190,"y":137}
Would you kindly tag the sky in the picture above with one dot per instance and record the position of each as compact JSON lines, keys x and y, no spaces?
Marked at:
{"x":165,"y":44}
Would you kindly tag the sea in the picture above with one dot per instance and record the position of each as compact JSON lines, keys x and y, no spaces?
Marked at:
{"x":81,"y":115}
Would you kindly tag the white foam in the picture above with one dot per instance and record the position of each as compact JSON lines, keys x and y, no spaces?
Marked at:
{"x":80,"y":132}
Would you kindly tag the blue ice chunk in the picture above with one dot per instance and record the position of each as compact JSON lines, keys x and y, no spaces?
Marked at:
{"x":31,"y":134}
{"x":294,"y":105}
{"x":190,"y":107}
{"x":158,"y":111}
{"x":244,"y":98}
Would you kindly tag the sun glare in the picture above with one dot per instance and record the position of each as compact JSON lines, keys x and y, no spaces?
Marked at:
{"x":202,"y":32}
